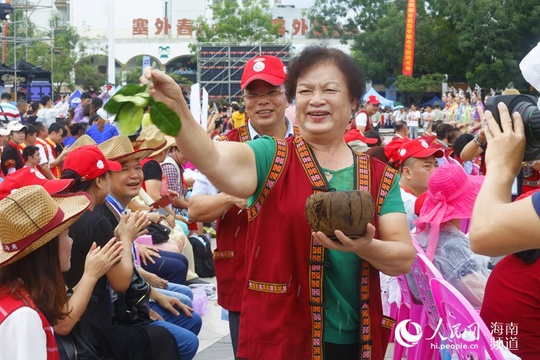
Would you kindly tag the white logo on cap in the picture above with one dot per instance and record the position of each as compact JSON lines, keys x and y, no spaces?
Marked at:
{"x":402,"y":152}
{"x":258,"y":66}
{"x":100,"y":165}
{"x":424,"y":143}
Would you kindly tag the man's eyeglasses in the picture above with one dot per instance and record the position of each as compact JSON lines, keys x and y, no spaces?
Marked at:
{"x":270,"y":94}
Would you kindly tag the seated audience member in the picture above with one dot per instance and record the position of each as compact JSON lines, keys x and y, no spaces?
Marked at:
{"x":89,"y":170}
{"x":391,"y":151}
{"x":401,"y":131}
{"x":446,"y":135}
{"x":417,"y":161}
{"x":56,"y":135}
{"x":75,"y":131}
{"x":125,"y":185}
{"x":449,"y":199}
{"x":12,"y":159}
{"x":100,"y":129}
{"x":36,"y":249}
{"x":31,"y":156}
{"x":30,"y":135}
{"x":475,"y":149}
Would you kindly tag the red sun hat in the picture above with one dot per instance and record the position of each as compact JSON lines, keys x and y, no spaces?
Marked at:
{"x":268,"y":68}
{"x":29,"y":176}
{"x":372,"y":99}
{"x":89,"y":162}
{"x":418,"y":148}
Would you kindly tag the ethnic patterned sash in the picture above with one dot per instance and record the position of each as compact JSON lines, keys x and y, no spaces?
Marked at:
{"x":363,"y":181}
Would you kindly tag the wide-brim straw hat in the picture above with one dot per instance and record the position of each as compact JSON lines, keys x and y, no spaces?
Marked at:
{"x":153,"y":138}
{"x":83,"y":140}
{"x":170,"y":141}
{"x":35,"y":218}
{"x":119,"y":148}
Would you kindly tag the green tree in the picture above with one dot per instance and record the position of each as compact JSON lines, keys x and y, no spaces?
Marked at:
{"x":250,"y":23}
{"x":479,"y":41}
{"x":415,"y":87}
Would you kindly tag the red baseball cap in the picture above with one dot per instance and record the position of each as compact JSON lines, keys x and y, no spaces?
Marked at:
{"x":89,"y":162}
{"x":357,"y":135}
{"x":268,"y":68}
{"x":30,"y":176}
{"x":418,"y":148}
{"x":391,"y":150}
{"x":372,"y":99}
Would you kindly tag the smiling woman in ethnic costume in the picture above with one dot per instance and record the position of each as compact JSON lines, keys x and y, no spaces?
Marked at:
{"x":307,"y":297}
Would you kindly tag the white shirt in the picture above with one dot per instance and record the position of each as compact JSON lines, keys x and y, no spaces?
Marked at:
{"x":409,"y":200}
{"x":48,"y":115}
{"x":22,"y":336}
{"x":42,"y":154}
{"x":361,"y":120}
{"x":413,"y":118}
{"x":203,"y":186}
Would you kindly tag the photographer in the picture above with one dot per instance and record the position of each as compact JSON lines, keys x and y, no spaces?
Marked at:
{"x":518,"y":223}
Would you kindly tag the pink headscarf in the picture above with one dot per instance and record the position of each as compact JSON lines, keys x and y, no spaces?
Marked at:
{"x":451,"y":194}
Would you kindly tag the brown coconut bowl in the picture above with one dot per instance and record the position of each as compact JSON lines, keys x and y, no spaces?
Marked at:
{"x":348,"y":211}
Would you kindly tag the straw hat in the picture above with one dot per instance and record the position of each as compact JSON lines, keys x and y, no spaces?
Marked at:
{"x":119,"y":148}
{"x":170,"y":141}
{"x":35,"y":218}
{"x":83,"y":140}
{"x":152,"y":138}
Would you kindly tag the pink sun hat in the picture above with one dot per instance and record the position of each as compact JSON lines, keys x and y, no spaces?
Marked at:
{"x":451,"y":195}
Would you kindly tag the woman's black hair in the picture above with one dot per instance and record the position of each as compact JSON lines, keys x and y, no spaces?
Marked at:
{"x":460,"y":143}
{"x":78,"y":183}
{"x":320,"y":54}
{"x":528,"y":256}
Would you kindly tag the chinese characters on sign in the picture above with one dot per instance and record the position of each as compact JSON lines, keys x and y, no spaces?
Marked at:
{"x":504,"y":335}
{"x":184,"y":27}
{"x":408,"y":53}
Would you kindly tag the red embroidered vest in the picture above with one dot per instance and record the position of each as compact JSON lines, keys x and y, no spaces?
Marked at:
{"x":8,"y":304}
{"x":229,"y":258}
{"x":57,"y":170}
{"x":231,"y":229}
{"x":283,"y":306}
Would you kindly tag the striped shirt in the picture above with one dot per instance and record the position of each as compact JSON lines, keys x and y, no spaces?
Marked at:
{"x":9,"y":113}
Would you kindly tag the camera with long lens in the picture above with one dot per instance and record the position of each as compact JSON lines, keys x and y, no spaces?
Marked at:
{"x":526,"y":106}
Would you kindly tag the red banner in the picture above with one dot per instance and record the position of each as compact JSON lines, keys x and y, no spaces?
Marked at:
{"x":408,"y":52}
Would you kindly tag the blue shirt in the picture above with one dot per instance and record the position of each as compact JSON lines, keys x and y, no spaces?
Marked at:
{"x":100,"y":136}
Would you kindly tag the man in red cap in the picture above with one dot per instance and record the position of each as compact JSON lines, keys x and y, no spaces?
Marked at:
{"x":417,"y":161}
{"x":265,"y":102}
{"x":362,"y":121}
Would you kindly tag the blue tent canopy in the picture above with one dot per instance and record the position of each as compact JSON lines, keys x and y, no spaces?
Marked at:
{"x":433,"y":102}
{"x":384,"y":101}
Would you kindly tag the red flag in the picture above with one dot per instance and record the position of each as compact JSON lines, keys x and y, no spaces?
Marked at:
{"x":408,"y":49}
